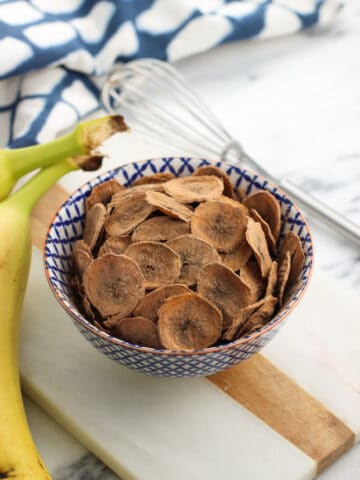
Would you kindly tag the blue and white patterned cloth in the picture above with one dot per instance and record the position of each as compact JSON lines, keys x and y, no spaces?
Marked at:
{"x":54,"y":53}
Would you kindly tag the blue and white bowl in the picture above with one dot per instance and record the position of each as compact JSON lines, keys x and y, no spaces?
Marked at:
{"x":67,"y":226}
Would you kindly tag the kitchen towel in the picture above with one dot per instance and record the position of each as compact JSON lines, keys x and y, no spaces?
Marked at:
{"x":54,"y":55}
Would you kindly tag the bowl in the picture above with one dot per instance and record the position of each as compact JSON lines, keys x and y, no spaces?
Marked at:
{"x":67,"y":226}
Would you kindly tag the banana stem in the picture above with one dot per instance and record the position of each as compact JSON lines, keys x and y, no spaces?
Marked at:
{"x":83,"y":140}
{"x":29,"y":194}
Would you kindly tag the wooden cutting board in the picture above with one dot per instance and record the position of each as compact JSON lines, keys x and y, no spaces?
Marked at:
{"x":287,"y":413}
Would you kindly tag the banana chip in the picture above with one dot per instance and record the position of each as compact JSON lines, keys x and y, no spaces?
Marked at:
{"x":284,"y":271}
{"x":129,"y":213}
{"x":153,"y":179}
{"x":103,"y":193}
{"x":267,"y":206}
{"x":94,"y":224}
{"x":81,"y":258}
{"x":150,"y":304}
{"x":115,"y":245}
{"x":240,"y":319}
{"x":272,"y":279}
{"x":225,"y":289}
{"x":114,"y":284}
{"x":259,"y":317}
{"x":212,"y":170}
{"x":267,"y":231}
{"x":160,"y":265}
{"x":189,"y":322}
{"x":219,"y":224}
{"x":250,"y":274}
{"x":160,"y":229}
{"x":238,"y":257}
{"x":194,"y":189}
{"x":292,"y":243}
{"x":136,"y":330}
{"x":169,"y":206}
{"x":257,"y":241}
{"x":194,"y":255}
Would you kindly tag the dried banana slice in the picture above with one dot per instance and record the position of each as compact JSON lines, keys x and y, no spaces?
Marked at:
{"x":115,"y":245}
{"x":169,"y":206}
{"x":237,"y":258}
{"x":94,"y":224}
{"x":234,"y":203}
{"x":188,"y":322}
{"x":150,"y":304}
{"x":90,"y":315}
{"x":272,"y":279}
{"x":194,"y":189}
{"x":219,"y":224}
{"x":284,"y":271}
{"x":81,"y":258}
{"x":114,"y":284}
{"x":259,"y":317}
{"x":103,"y":193}
{"x":161,"y":177}
{"x":136,"y":330}
{"x":267,"y":231}
{"x":159,"y":264}
{"x":225,"y":289}
{"x":250,"y":274}
{"x":160,"y":229}
{"x":240,"y":319}
{"x":257,"y":241}
{"x":292,"y":243}
{"x":129,"y":213}
{"x":130,"y":191}
{"x":212,"y":170}
{"x":194,"y":255}
{"x":268,"y":207}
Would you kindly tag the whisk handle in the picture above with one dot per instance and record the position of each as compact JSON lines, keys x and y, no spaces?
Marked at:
{"x":322,"y":212}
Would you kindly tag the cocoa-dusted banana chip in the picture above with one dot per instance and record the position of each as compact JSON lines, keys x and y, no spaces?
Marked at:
{"x":136,"y":330}
{"x":159,"y":264}
{"x":81,"y":258}
{"x":103,"y":193}
{"x":94,"y":224}
{"x":283,"y":276}
{"x":169,"y":206}
{"x":212,"y":170}
{"x":115,"y":245}
{"x":259,"y":317}
{"x":131,"y":191}
{"x":221,"y":225}
{"x":268,"y":207}
{"x":150,"y":304}
{"x":238,"y":257}
{"x":240,"y":319}
{"x":250,"y":274}
{"x":267,"y":231}
{"x":159,"y":229}
{"x":292,"y":243}
{"x":225,"y":289}
{"x":161,"y":177}
{"x":272,"y":279}
{"x":194,"y":255}
{"x":257,"y":241}
{"x":188,"y":322}
{"x":194,"y":189}
{"x":129,"y":213}
{"x":90,"y":315}
{"x":114,"y":284}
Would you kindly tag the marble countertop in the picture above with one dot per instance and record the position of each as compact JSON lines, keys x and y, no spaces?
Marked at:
{"x":294,"y":103}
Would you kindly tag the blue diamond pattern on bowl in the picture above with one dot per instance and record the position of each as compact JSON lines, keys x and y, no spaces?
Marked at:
{"x":67,"y":226}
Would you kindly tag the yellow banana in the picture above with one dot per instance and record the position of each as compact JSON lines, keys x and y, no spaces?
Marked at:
{"x":19,"y":459}
{"x":85,"y":138}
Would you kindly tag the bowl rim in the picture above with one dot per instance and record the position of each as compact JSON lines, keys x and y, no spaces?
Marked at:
{"x":84,"y":323}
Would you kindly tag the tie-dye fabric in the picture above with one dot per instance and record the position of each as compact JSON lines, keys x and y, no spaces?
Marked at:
{"x":54,"y":54}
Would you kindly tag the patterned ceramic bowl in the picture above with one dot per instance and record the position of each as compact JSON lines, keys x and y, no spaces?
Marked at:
{"x":67,"y":226}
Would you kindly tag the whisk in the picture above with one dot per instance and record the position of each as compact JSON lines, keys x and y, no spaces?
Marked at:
{"x":160,"y":105}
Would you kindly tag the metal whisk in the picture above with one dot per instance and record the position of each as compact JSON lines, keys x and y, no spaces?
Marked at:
{"x":160,"y":105}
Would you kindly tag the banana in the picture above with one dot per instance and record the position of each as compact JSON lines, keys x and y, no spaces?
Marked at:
{"x":19,"y":458}
{"x":83,"y":140}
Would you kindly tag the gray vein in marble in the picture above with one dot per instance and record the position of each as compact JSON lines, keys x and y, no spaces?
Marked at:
{"x":87,"y":468}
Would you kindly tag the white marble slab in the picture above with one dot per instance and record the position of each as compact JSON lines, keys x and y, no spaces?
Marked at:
{"x":143,"y":426}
